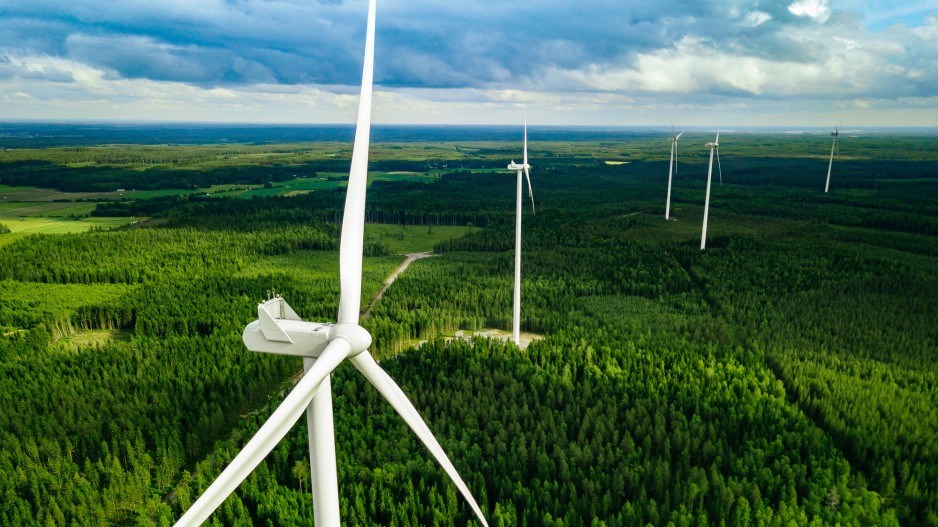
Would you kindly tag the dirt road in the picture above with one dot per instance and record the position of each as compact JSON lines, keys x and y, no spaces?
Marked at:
{"x":411,"y":257}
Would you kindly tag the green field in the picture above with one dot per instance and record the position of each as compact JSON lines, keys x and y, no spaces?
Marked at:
{"x":92,"y":338}
{"x":21,"y":227}
{"x":51,"y":217}
{"x":403,"y":240}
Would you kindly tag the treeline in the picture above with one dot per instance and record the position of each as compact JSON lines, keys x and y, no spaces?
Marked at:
{"x":392,"y":203}
{"x":138,"y":255}
{"x":61,"y":309}
{"x":111,"y":178}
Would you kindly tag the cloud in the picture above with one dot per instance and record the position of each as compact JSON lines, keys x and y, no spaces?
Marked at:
{"x":37,"y":70}
{"x":816,"y":9}
{"x":438,"y":56}
{"x":757,"y":18}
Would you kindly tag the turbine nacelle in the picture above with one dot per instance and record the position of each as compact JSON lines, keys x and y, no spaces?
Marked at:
{"x":279,"y":330}
{"x":516,"y":166}
{"x":712,"y":145}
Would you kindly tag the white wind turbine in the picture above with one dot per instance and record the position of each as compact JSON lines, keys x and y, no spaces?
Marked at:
{"x":714,"y":146}
{"x":672,"y":169}
{"x":323,"y":347}
{"x":523,"y":167}
{"x":830,"y":165}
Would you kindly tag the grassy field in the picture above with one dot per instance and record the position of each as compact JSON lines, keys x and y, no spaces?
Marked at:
{"x":412,"y":239}
{"x":24,"y":226}
{"x":91,"y":338}
{"x":13,"y":194}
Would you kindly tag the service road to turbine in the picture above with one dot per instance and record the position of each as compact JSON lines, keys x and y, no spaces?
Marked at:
{"x":411,"y":257}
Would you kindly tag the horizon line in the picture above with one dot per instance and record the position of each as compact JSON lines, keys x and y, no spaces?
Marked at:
{"x":267,"y":124}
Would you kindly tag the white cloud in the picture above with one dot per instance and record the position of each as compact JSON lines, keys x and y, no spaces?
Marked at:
{"x":757,"y":18}
{"x":819,"y":10}
{"x":48,"y":70}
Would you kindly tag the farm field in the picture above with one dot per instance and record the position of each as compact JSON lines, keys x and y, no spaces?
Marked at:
{"x":23,"y":219}
{"x":788,"y":375}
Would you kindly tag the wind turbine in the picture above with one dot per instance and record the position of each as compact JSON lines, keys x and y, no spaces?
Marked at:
{"x":672,"y":169}
{"x":323,"y":347}
{"x":835,"y":133}
{"x":714,"y":147}
{"x":523,"y":167}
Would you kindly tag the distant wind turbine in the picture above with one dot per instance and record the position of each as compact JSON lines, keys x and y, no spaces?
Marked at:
{"x":523,"y":167}
{"x":323,"y":347}
{"x":672,"y":169}
{"x":830,"y":165}
{"x":714,"y":147}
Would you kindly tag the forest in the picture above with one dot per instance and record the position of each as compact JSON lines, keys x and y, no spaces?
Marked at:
{"x":788,"y":375}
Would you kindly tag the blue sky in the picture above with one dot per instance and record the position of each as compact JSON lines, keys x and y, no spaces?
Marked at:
{"x":587,"y":62}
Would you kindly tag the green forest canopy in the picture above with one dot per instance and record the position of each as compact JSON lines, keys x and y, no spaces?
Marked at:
{"x":787,"y":374}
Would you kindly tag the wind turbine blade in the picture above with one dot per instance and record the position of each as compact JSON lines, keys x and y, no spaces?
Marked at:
{"x":673,"y":130}
{"x":267,"y":437}
{"x":530,"y":191}
{"x":679,"y":135}
{"x":392,"y":392}
{"x":353,"y":220}
{"x":525,"y":135}
{"x":719,"y":166}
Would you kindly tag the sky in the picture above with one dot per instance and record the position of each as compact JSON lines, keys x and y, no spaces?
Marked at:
{"x":573,"y":62}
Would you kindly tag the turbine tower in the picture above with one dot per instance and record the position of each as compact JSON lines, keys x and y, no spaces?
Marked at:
{"x":714,"y":147}
{"x":830,"y":165}
{"x":523,"y":167}
{"x":672,"y":169}
{"x":323,"y":347}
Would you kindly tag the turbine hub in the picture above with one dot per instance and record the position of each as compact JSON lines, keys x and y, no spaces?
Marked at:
{"x":358,"y":337}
